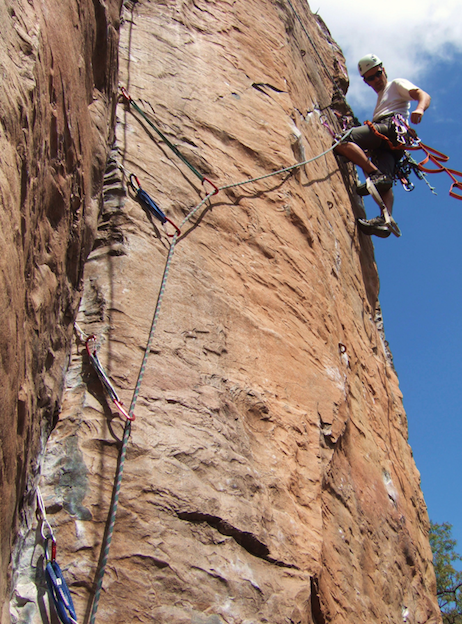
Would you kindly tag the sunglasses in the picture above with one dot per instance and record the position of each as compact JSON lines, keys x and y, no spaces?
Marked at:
{"x":378,"y":73}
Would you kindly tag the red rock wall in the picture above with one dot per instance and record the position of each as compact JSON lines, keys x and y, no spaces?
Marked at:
{"x":268,"y":476}
{"x":59,"y":69}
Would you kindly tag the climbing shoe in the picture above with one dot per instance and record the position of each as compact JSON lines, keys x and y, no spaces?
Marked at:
{"x":381,"y":182}
{"x":376,"y":222}
{"x":374,"y":227}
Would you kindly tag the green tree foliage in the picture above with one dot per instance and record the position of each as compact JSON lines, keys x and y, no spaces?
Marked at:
{"x":448,"y":579}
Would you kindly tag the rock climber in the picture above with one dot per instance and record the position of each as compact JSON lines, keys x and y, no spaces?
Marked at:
{"x":392,"y":98}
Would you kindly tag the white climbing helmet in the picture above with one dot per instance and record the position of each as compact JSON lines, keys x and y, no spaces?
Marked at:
{"x":368,"y":62}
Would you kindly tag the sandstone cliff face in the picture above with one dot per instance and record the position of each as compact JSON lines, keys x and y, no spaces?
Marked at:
{"x":268,"y":476}
{"x":59,"y":68}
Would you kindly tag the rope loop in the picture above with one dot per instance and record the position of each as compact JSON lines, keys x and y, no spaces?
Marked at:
{"x":438,"y":158}
{"x":457,"y":185}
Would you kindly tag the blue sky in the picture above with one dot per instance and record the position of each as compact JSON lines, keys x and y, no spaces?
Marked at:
{"x":420,"y":273}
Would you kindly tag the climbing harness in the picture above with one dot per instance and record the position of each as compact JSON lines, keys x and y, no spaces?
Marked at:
{"x":174,"y":149}
{"x":150,"y":204}
{"x":58,"y":590}
{"x":406,"y":137}
{"x":91,"y":350}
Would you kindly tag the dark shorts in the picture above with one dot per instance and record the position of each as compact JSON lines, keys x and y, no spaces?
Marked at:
{"x":382,"y":156}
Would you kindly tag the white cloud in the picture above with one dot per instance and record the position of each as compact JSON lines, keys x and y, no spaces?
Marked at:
{"x":408,"y":35}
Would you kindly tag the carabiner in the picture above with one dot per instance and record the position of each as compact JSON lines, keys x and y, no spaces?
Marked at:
{"x":138,"y":184}
{"x":216,"y":189}
{"x":90,"y":345}
{"x":151,"y":205}
{"x":125,"y":94}
{"x":51,"y":539}
{"x":178,"y":231}
{"x":42,"y":518}
{"x":122,"y":410}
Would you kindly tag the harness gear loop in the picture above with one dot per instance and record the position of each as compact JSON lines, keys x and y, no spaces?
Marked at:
{"x":151,"y":205}
{"x":384,"y":138}
{"x":91,"y":350}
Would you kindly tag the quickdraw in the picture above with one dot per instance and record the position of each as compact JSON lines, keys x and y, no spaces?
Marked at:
{"x":151,"y":205}
{"x":91,"y":350}
{"x":174,"y":149}
{"x":58,"y":590}
{"x":346,"y":123}
{"x":405,"y":167}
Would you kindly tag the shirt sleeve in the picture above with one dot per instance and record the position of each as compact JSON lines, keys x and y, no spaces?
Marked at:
{"x":403,"y":87}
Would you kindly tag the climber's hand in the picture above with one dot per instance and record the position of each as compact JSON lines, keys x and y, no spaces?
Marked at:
{"x":416,"y":116}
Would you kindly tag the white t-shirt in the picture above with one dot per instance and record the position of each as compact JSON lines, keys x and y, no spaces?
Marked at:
{"x":394,"y":98}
